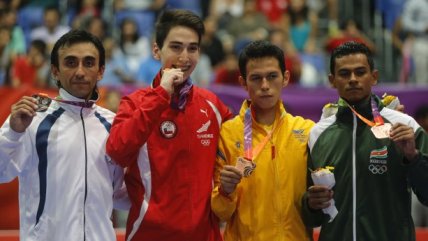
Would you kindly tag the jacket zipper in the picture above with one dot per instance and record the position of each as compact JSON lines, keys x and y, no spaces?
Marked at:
{"x":354,"y":179}
{"x":86,"y":175}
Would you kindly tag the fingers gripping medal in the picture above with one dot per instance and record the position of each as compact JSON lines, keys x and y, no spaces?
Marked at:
{"x":43,"y":102}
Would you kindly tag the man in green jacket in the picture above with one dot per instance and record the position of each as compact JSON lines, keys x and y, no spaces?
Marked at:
{"x":378,"y":156}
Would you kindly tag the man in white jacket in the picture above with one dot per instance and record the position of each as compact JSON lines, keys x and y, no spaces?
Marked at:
{"x":57,"y":150}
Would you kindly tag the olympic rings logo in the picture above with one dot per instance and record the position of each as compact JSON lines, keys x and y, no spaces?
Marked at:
{"x":205,"y":142}
{"x":378,"y":169}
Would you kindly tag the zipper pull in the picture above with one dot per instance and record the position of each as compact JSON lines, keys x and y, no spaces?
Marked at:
{"x":273,"y":152}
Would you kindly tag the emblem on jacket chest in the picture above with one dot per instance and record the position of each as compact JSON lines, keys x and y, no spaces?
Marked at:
{"x":378,"y":161}
{"x":168,"y":129}
{"x":203,"y":134}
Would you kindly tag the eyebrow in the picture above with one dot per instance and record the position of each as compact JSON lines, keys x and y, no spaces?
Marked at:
{"x":75,"y":57}
{"x":181,"y":43}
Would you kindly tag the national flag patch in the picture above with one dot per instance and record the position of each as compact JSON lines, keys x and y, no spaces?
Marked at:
{"x":381,"y":153}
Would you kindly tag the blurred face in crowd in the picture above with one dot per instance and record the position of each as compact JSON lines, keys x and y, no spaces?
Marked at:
{"x":180,"y":50}
{"x":79,"y":69}
{"x":51,"y":19}
{"x":4,"y":37}
{"x":35,"y":57}
{"x":353,"y":78}
{"x":264,"y":83}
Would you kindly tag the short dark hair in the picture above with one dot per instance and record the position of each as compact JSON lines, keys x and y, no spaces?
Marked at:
{"x":177,"y":17}
{"x":74,"y":37}
{"x":40,"y":45}
{"x":260,"y":49}
{"x":349,"y":48}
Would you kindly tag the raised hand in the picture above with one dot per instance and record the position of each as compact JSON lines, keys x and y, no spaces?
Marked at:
{"x":170,"y":79}
{"x":404,"y":138}
{"x":22,"y":113}
{"x":230,"y":176}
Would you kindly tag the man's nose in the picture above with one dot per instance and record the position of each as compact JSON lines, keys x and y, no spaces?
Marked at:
{"x":265,"y":83}
{"x":184,"y":55}
{"x":80,"y":70}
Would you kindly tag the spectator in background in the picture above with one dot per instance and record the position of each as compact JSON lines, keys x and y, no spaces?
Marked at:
{"x":402,"y":42}
{"x":32,"y":69}
{"x":148,"y":70}
{"x":140,"y":5}
{"x":98,"y":27}
{"x":13,"y":4}
{"x":228,"y":72}
{"x":415,"y":22}
{"x":302,"y":28}
{"x":202,"y":76}
{"x":274,"y":10}
{"x":211,"y":44}
{"x":89,"y":8}
{"x":5,"y":56}
{"x":332,"y":10}
{"x":17,"y":42}
{"x":292,"y":60}
{"x":132,"y":46}
{"x":224,"y":10}
{"x":252,"y":25}
{"x":302,"y":24}
{"x":350,"y":30}
{"x":116,"y":73}
{"x":51,"y":30}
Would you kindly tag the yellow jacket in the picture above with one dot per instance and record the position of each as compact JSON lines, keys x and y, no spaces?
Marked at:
{"x":267,"y":204}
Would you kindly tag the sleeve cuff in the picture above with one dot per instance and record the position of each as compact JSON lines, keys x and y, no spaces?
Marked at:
{"x":162,"y":92}
{"x":230,"y":196}
{"x":13,"y":135}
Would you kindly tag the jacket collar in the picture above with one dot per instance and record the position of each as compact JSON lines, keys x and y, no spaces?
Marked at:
{"x":70,"y":100}
{"x":280,"y":113}
{"x":345,"y":114}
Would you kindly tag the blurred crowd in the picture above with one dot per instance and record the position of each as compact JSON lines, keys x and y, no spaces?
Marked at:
{"x":306,"y":29}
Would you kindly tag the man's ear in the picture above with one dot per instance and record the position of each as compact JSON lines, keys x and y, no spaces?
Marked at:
{"x":242,"y":82}
{"x":331,"y":80}
{"x":286,"y":78}
{"x":375,"y":75}
{"x":100,"y":73}
{"x":156,"y":51}
{"x":54,"y":72}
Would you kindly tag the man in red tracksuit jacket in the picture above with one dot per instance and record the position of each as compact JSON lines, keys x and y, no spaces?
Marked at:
{"x":166,"y":136}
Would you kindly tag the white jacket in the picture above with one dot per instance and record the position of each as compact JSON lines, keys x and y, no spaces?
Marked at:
{"x":67,"y":183}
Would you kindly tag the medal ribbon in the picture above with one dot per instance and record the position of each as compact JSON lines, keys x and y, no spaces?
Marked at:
{"x":84,"y":104}
{"x":378,"y":120}
{"x":249,"y":152}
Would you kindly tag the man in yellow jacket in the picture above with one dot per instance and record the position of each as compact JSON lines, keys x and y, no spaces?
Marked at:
{"x":260,"y":173}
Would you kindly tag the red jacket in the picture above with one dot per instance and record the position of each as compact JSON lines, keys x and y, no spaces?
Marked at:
{"x":169,"y":155}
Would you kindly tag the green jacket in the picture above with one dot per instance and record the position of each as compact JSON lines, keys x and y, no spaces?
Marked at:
{"x":373,"y":181}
